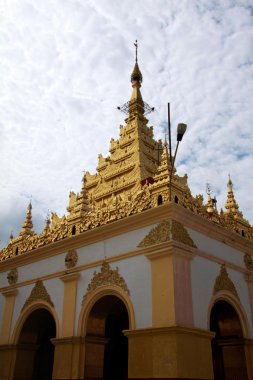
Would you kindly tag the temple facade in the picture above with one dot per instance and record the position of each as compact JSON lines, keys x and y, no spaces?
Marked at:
{"x":139,"y":280}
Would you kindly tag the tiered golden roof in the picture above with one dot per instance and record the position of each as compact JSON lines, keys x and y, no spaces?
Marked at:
{"x":134,"y":177}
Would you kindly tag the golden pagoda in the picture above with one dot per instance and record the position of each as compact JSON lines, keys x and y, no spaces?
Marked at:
{"x":131,"y":179}
{"x":139,"y":280}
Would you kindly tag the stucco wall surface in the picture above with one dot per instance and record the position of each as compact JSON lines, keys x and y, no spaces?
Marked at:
{"x":112,"y":247}
{"x":216,"y":248}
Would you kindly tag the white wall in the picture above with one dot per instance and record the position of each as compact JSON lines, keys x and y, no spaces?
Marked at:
{"x":203,"y":275}
{"x":216,"y":248}
{"x":112,"y":247}
{"x":3,"y":279}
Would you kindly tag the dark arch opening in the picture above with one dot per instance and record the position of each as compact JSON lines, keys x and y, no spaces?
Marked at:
{"x":106,"y":348}
{"x":243,"y":233}
{"x":228,"y":345}
{"x":73,"y":231}
{"x":159,"y":200}
{"x":176,"y":199}
{"x":16,"y":251}
{"x":35,"y":354}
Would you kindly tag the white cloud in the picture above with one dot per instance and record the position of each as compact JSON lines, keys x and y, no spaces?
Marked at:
{"x":65,"y":67}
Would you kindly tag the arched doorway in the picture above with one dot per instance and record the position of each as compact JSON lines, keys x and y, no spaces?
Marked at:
{"x":106,"y":347}
{"x":229,"y":361}
{"x":35,"y":352}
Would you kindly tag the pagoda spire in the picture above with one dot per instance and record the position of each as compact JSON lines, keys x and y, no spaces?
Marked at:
{"x":233,"y":215}
{"x":165,"y":155}
{"x":28,"y":224}
{"x":231,"y":205}
{"x":47,"y":225}
{"x":79,"y":204}
{"x":82,"y":200}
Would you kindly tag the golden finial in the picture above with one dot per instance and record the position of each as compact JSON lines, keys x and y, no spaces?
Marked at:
{"x":209,"y":208}
{"x":165,"y":161}
{"x":47,"y":224}
{"x":82,"y":199}
{"x":136,"y":75}
{"x":231,"y":205}
{"x":48,"y":221}
{"x":84,"y":180}
{"x":230,"y":184}
{"x":136,"y":51}
{"x":28,"y":224}
{"x":165,"y":144}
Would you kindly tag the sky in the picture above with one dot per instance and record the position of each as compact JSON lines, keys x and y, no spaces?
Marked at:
{"x":65,"y":66}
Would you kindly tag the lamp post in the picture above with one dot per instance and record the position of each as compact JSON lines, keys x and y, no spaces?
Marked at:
{"x":181,"y":128}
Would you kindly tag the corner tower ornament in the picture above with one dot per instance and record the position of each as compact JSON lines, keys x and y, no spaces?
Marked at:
{"x":105,"y":277}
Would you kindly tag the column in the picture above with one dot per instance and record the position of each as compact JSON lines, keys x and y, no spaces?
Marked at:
{"x":67,"y":346}
{"x":7,"y":351}
{"x":171,"y":286}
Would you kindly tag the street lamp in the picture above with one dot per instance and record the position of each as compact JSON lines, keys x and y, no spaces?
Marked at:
{"x":181,"y":128}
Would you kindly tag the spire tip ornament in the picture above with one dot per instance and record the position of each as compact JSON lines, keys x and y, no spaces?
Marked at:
{"x":136,"y":76}
{"x":136,"y":50}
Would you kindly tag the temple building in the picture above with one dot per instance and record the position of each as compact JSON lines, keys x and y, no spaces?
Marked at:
{"x":139,"y":280}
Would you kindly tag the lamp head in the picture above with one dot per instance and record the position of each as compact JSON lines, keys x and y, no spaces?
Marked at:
{"x":181,"y":128}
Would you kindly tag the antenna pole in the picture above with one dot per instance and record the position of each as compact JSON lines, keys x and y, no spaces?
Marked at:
{"x":169,"y":129}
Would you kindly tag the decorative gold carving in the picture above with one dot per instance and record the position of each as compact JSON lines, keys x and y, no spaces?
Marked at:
{"x":166,"y":231}
{"x":223,"y":282}
{"x":12,"y":276}
{"x":248,"y":260}
{"x":105,"y":277}
{"x":39,"y":292}
{"x":71,"y":259}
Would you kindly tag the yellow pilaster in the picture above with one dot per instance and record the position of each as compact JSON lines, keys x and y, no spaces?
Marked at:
{"x":10,"y":297}
{"x":171,"y":286}
{"x":67,"y":346}
{"x":69,"y":304}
